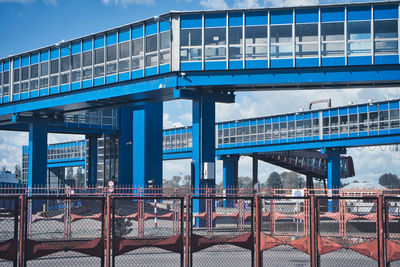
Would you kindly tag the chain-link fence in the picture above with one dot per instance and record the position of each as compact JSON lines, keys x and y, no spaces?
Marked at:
{"x":347,"y":231}
{"x":392,"y":231}
{"x":147,"y":231}
{"x":63,"y":231}
{"x":9,"y":207}
{"x":284,"y":231}
{"x":222,"y":231}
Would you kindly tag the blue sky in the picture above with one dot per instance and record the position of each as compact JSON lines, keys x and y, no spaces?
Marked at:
{"x":30,"y":24}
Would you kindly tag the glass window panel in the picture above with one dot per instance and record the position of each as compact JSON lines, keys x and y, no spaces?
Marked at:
{"x":54,"y":66}
{"x":165,"y":40}
{"x":137,"y":63}
{"x":190,"y":37}
{"x":281,"y":34}
{"x":111,"y":68}
{"x":54,"y":80}
{"x":98,"y":71}
{"x":394,"y":114}
{"x":235,"y":52}
{"x":64,"y":78}
{"x":99,"y":56}
{"x":44,"y":68}
{"x":76,"y":76}
{"x":332,"y":49}
{"x":386,"y":47}
{"x":34,"y":84}
{"x":6,"y":77}
{"x":87,"y":73}
{"x":151,"y":60}
{"x":6,"y":90}
{"x":87,"y":58}
{"x":65,"y":63}
{"x":215,"y":53}
{"x":306,"y":32}
{"x":34,"y":71}
{"x":359,"y":48}
{"x":359,"y":30}
{"x":214,"y":36}
{"x":307,"y":50}
{"x":124,"y":66}
{"x":25,"y":73}
{"x":191,"y":54}
{"x":76,"y":61}
{"x":165,"y":57}
{"x":137,"y":47}
{"x":16,"y":88}
{"x":235,"y":35}
{"x":124,"y":50}
{"x":44,"y":82}
{"x":279,"y":51}
{"x":16,"y":75}
{"x":112,"y":53}
{"x":256,"y":52}
{"x":385,"y":29}
{"x":256,"y":34}
{"x":151,"y":43}
{"x":332,"y":31}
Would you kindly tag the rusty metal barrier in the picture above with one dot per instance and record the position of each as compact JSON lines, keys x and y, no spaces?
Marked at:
{"x":64,"y":231}
{"x":221,"y":231}
{"x":392,"y":230}
{"x":147,"y":231}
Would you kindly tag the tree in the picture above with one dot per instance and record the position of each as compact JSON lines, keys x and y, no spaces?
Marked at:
{"x":187,"y":180}
{"x":274,"y":180}
{"x":79,"y":177}
{"x":176,"y":179}
{"x":17,"y":171}
{"x":245,"y":181}
{"x":294,"y":180}
{"x":69,"y":178}
{"x":389,"y":180}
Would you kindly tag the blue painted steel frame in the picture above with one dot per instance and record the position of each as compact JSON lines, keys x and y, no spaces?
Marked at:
{"x":37,"y":174}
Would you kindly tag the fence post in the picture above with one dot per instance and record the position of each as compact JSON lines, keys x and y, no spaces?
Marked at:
{"x":313,"y":233}
{"x":188,"y":225}
{"x":21,"y":230}
{"x":381,"y":246}
{"x":259,"y":258}
{"x":108,"y":236}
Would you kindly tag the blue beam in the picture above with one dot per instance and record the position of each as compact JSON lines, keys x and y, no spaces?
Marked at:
{"x":177,"y":156}
{"x":294,"y":77}
{"x":37,"y":174}
{"x":66,"y":164}
{"x":147,"y":144}
{"x":125,"y":147}
{"x":230,"y":176}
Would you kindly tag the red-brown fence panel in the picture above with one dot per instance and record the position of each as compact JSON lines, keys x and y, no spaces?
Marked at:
{"x":347,"y":231}
{"x":222,"y":234}
{"x":284,"y":231}
{"x":147,"y":231}
{"x":392,"y":231}
{"x":62,"y":231}
{"x":8,"y":230}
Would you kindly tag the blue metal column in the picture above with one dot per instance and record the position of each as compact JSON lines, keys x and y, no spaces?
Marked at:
{"x":147,"y":144}
{"x":230,"y":176}
{"x":92,"y":158}
{"x":125,"y":147}
{"x":37,"y":166}
{"x":333,"y":173}
{"x":203,"y":117}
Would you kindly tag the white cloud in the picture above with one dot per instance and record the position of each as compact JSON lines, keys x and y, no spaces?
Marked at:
{"x":214,"y":4}
{"x":125,"y":3}
{"x":246,"y":4}
{"x":168,"y":123}
{"x":289,"y":3}
{"x":50,"y":2}
{"x":46,"y":2}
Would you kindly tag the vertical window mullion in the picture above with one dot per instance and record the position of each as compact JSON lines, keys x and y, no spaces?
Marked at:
{"x":93,"y":59}
{"x":345,"y":37}
{"x":294,"y":38}
{"x":244,"y":40}
{"x":158,"y":47}
{"x":319,"y":39}
{"x":144,"y":49}
{"x":227,"y":41}
{"x":372,"y":36}
{"x":130,"y":53}
{"x":117,"y":63}
{"x":269,"y":39}
{"x":202,"y":42}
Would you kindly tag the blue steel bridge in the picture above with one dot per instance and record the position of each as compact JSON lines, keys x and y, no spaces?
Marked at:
{"x":205,"y":57}
{"x":265,"y":138}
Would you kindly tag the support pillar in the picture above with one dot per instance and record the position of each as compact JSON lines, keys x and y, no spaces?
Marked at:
{"x":37,"y":166}
{"x":230,"y":176}
{"x":333,"y":173}
{"x":203,"y":151}
{"x":92,"y":160}
{"x":147,"y":138}
{"x":255,"y":169}
{"x":309,"y":182}
{"x":125,"y":148}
